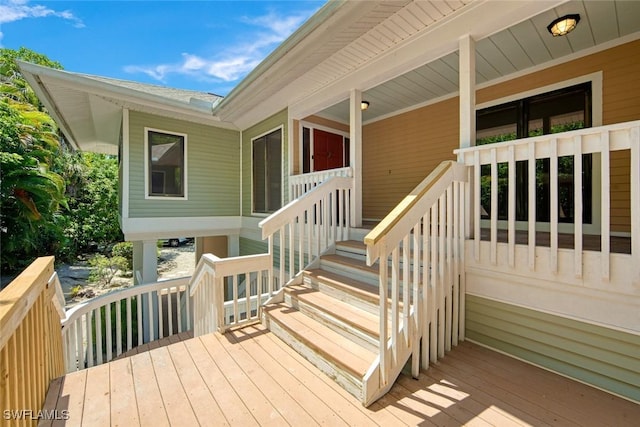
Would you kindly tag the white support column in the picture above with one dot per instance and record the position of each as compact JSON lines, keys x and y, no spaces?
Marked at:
{"x":355,"y":154}
{"x":145,"y":261}
{"x":233,"y":244}
{"x":467,"y":91}
{"x":467,"y":100}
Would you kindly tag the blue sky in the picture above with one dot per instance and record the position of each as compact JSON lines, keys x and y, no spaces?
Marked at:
{"x":201,"y":45}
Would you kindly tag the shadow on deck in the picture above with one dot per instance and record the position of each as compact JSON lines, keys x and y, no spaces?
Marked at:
{"x":250,"y":377}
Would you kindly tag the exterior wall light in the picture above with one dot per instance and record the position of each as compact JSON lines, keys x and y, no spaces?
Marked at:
{"x":364,"y":105}
{"x":563,"y":25}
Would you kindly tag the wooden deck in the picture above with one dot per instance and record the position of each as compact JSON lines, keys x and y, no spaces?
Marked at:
{"x":250,"y":377}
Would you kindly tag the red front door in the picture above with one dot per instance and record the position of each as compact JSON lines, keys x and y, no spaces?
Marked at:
{"x":328,"y":150}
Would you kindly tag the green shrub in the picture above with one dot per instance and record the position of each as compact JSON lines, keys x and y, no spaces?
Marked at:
{"x":125,"y":250}
{"x":75,"y":291}
{"x":104,"y":268}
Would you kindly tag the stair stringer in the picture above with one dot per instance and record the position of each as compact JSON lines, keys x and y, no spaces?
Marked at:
{"x":298,"y":278}
{"x":372,"y":389}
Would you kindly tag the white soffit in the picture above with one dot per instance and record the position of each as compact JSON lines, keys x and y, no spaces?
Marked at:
{"x":524,"y":45}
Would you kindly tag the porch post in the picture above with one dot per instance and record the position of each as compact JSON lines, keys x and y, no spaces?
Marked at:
{"x":355,"y":154}
{"x":467,"y":91}
{"x":467,"y":99}
{"x":145,"y":260}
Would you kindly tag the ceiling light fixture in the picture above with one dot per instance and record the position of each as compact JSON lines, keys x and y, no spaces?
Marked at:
{"x":364,"y":105}
{"x":563,"y":25}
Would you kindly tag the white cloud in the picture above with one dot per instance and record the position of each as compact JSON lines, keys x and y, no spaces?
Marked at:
{"x":235,"y":60}
{"x":16,"y":10}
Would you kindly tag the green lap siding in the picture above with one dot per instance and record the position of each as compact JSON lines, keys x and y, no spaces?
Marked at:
{"x":252,"y":247}
{"x":213,"y":170}
{"x":603,"y":357}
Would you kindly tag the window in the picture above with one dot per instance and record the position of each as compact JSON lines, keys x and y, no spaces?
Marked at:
{"x":552,"y":112}
{"x":267,"y":172}
{"x":165,"y":164}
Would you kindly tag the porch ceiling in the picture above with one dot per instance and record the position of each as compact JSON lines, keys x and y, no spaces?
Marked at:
{"x":519,"y":47}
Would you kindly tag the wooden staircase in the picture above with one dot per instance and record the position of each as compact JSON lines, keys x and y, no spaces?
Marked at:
{"x":331,"y":317}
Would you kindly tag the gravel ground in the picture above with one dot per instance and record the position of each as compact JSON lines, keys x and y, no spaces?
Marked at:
{"x":172,"y":263}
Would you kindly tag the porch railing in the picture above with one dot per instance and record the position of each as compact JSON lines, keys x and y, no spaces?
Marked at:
{"x":228,"y":292}
{"x":30,"y":346}
{"x":96,"y":331}
{"x":300,"y":184}
{"x":419,"y":248}
{"x":551,"y":148}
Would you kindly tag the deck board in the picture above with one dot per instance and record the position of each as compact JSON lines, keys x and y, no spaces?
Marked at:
{"x":251,"y":377}
{"x":204,"y":405}
{"x":124,"y":408}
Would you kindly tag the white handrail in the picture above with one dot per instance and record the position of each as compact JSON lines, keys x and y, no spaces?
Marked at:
{"x":300,"y":184}
{"x":419,"y":248}
{"x":96,"y":331}
{"x":309,"y":225}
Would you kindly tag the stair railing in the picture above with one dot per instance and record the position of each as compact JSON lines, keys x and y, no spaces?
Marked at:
{"x":309,"y":225}
{"x":229,"y":292}
{"x":419,"y":247}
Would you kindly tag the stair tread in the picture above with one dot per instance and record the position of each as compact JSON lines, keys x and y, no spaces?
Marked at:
{"x":354,"y":316}
{"x":363,"y":290}
{"x":350,"y":262}
{"x":321,"y":339}
{"x":353,"y":244}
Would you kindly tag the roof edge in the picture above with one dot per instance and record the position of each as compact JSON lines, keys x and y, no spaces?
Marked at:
{"x":317,"y":19}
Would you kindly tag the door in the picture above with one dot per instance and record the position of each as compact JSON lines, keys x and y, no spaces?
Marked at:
{"x":328,"y":150}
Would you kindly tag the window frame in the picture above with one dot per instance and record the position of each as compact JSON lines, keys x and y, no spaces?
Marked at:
{"x":148,"y":168}
{"x":596,"y":80}
{"x":282,"y":170}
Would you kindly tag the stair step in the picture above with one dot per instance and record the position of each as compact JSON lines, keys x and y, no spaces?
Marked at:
{"x":356,"y":292}
{"x":352,"y":249}
{"x":359,"y":325}
{"x":355,"y":268}
{"x":337,"y":356}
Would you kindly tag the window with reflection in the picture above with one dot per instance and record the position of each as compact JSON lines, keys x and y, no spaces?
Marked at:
{"x":552,"y":112}
{"x":166,"y":153}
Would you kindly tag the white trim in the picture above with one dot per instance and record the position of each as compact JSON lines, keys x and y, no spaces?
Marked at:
{"x":282,"y":171}
{"x":161,"y":228}
{"x":290,"y":144}
{"x":124,"y":185}
{"x":146,"y":164}
{"x":241,"y":172}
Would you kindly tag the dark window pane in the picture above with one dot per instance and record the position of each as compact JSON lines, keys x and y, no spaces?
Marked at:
{"x":166,"y":161}
{"x":558,"y":111}
{"x":267,"y":173}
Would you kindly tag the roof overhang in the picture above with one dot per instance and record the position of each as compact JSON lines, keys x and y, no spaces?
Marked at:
{"x":305,"y":72}
{"x":89,"y":111}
